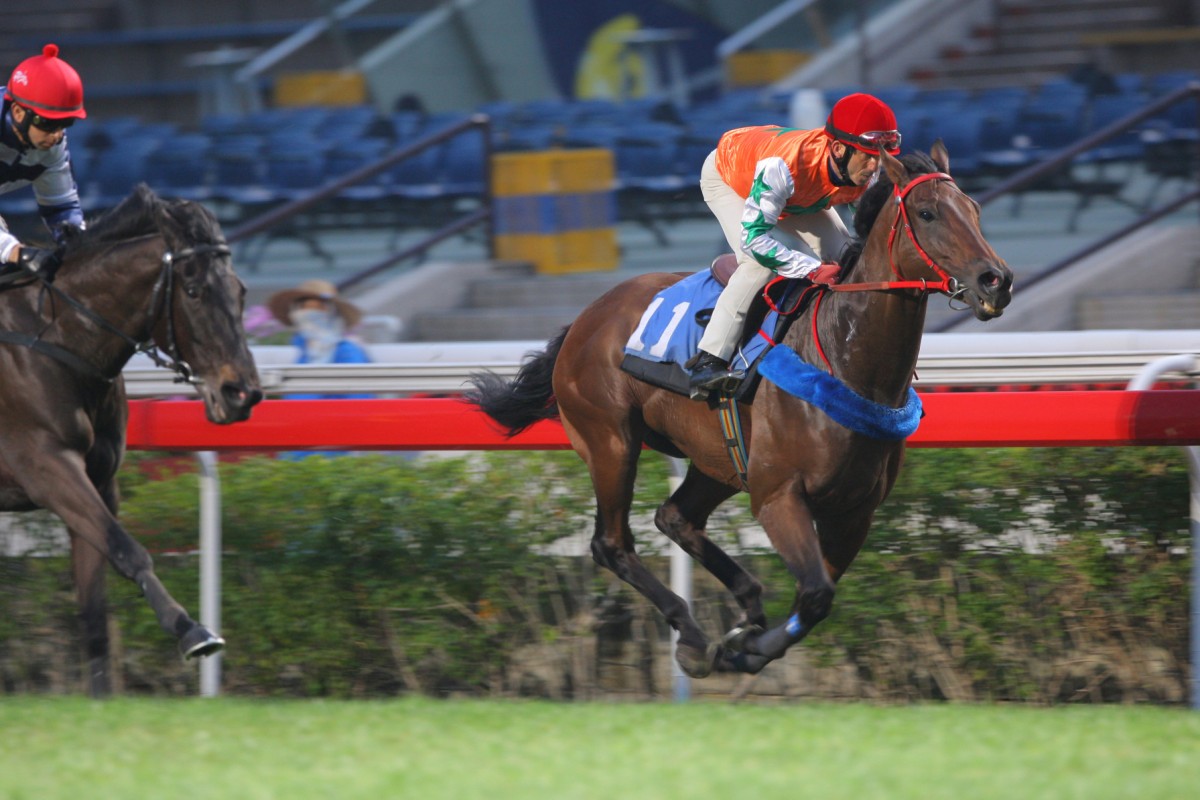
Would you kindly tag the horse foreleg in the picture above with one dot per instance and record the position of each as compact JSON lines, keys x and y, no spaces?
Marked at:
{"x":683,"y":519}
{"x":77,"y":502}
{"x":88,"y":566}
{"x":789,"y":524}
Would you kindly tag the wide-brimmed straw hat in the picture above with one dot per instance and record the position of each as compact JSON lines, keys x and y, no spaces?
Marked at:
{"x":281,"y":303}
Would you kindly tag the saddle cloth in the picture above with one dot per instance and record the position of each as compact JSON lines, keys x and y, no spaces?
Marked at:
{"x":670,"y":329}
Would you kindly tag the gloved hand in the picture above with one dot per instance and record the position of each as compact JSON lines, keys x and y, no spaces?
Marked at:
{"x":37,"y":261}
{"x":825,"y":275}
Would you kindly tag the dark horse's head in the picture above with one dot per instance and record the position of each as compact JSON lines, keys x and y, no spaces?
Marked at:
{"x":192,"y":301}
{"x":943,"y":222}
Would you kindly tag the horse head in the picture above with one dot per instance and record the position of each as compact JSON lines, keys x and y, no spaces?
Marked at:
{"x":935,"y":234}
{"x":200,"y":325}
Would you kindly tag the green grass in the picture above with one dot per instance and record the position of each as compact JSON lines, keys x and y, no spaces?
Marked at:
{"x":234,"y":749}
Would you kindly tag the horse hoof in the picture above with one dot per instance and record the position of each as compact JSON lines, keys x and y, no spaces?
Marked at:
{"x":199,"y":642}
{"x":697,"y":663}
{"x":736,"y":639}
{"x":742,"y":662}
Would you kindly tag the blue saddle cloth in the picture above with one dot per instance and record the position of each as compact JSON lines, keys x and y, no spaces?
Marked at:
{"x":669,"y":334}
{"x":670,"y":330}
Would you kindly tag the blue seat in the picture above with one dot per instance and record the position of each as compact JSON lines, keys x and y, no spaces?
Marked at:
{"x":179,"y":167}
{"x":352,"y":155}
{"x":962,"y":133}
{"x":418,"y":177}
{"x":464,"y":164}
{"x":1107,"y":109}
{"x":288,"y":174}
{"x":114,"y":172}
{"x":237,"y":171}
{"x":647,"y":159}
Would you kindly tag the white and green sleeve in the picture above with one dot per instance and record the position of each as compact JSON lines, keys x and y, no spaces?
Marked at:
{"x":772,"y":187}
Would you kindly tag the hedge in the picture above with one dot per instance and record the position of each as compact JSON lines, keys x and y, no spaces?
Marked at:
{"x":1016,"y":574}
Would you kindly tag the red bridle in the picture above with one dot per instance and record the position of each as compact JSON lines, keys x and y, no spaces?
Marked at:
{"x":947,"y":284}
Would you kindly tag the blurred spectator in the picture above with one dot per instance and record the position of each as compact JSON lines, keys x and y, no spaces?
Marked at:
{"x":321,"y":321}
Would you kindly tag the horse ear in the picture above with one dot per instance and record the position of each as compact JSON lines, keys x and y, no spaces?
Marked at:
{"x":895,"y":170}
{"x":940,"y":156}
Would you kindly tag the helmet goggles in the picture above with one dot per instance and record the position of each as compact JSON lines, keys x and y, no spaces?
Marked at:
{"x":869,"y":141}
{"x":46,"y":124}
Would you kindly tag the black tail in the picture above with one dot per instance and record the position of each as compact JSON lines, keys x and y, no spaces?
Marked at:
{"x":527,"y":398}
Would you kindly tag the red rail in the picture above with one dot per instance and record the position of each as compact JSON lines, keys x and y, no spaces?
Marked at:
{"x":967,"y":419}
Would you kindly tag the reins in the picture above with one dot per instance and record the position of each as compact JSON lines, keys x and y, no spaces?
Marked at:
{"x":946,"y":285}
{"x":160,"y":302}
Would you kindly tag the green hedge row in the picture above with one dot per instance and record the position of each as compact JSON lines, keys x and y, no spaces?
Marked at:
{"x":1037,"y":575}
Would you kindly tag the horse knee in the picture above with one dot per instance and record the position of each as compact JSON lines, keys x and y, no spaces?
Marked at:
{"x":668,"y":520}
{"x":679,"y":529}
{"x":129,"y":558}
{"x":604,"y":554}
{"x":814,"y":605}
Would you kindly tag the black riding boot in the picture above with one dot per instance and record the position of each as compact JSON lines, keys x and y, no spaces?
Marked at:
{"x":707,"y":372}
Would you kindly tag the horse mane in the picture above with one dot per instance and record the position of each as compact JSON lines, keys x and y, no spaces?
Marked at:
{"x":880,"y":192}
{"x":139,"y":214}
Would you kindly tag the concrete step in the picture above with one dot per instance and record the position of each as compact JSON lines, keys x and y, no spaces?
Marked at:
{"x":935,"y":78}
{"x":1153,"y":311}
{"x":1061,"y":59}
{"x":534,"y":291}
{"x":1074,"y":21}
{"x":492,"y":324}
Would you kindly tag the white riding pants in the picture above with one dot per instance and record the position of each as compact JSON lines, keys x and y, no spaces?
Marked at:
{"x":821,"y":234}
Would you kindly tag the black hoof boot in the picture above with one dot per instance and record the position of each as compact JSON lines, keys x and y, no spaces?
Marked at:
{"x":200,"y":641}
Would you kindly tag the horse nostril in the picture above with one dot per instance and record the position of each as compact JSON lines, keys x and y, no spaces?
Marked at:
{"x":990,"y":281}
{"x":238,"y":396}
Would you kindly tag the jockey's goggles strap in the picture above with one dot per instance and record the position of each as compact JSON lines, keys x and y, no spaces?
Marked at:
{"x":875,"y":140}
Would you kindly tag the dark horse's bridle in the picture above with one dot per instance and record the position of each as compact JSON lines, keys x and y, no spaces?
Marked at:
{"x":160,"y":303}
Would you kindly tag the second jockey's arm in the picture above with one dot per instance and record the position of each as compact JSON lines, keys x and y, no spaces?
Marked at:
{"x":772,"y":187}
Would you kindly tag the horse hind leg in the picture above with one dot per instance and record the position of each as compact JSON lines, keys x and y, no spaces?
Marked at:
{"x":683,"y":519}
{"x":613,"y":470}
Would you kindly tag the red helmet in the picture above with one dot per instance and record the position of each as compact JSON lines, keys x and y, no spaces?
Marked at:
{"x":864,"y":122}
{"x":47,"y":86}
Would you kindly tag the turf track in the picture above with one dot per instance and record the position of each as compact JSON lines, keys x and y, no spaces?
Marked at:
{"x":138,"y":748}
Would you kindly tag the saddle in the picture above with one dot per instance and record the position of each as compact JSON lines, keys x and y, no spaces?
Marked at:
{"x":669,"y":332}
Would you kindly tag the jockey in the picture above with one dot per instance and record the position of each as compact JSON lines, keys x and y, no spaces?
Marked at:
{"x":763,"y":180}
{"x":42,"y":99}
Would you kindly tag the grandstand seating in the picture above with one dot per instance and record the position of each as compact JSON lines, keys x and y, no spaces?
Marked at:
{"x":277,"y":154}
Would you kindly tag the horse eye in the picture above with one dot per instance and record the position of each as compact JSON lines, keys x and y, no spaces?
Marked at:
{"x":926,"y":215}
{"x":192,"y":290}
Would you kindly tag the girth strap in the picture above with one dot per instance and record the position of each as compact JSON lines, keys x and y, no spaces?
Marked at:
{"x":54,"y":351}
{"x":731,"y":432}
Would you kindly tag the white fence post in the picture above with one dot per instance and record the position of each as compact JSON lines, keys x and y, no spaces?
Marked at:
{"x":210,"y":567}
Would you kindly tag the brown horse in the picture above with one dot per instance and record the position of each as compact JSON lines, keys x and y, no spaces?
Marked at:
{"x":148,"y":273}
{"x":814,"y":485}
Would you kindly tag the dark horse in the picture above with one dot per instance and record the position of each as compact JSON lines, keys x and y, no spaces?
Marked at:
{"x":814,"y":485}
{"x":148,"y":273}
